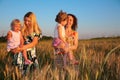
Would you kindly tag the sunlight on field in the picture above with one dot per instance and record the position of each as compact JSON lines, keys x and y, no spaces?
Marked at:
{"x":98,"y":60}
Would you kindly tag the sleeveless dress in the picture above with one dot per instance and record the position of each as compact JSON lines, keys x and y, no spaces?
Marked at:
{"x":70,"y":39}
{"x":14,"y":41}
{"x":14,"y":59}
{"x":31,"y":52}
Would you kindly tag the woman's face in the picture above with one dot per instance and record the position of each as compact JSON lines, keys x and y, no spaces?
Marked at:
{"x":70,"y":21}
{"x":27,"y":21}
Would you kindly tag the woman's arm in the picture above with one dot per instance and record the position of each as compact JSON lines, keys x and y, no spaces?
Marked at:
{"x":75,"y":43}
{"x":30,"y":45}
{"x":21,"y":40}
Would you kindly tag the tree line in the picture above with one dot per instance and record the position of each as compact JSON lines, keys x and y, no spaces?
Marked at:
{"x":3,"y":38}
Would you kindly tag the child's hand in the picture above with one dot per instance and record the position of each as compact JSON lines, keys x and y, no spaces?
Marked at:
{"x":66,"y":44}
{"x":15,"y":50}
{"x":21,"y":46}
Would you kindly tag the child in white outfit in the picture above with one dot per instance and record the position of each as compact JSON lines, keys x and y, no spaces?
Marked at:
{"x":15,"y":39}
{"x":59,"y":32}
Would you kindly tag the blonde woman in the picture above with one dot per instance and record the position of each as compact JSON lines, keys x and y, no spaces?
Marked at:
{"x":31,"y":33}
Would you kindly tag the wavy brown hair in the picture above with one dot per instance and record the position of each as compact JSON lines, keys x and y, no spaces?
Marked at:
{"x":75,"y":22}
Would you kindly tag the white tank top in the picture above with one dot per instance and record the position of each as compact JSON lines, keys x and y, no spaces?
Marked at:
{"x":14,"y":41}
{"x":56,"y":31}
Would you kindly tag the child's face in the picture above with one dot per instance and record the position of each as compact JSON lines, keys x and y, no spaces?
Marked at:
{"x":64,"y":22}
{"x":16,"y":27}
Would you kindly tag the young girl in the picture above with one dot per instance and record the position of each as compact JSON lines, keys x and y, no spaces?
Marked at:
{"x":59,"y":32}
{"x":15,"y":39}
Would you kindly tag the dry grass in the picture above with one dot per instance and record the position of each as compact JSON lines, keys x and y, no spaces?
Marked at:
{"x":99,"y":60}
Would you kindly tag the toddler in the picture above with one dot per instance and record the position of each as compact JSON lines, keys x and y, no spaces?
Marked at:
{"x":15,"y":39}
{"x":59,"y":32}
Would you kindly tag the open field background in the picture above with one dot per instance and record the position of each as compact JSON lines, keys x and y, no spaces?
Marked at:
{"x":99,"y":60}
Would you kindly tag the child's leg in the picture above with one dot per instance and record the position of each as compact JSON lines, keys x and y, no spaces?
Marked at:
{"x":24,"y":55}
{"x":27,"y":61}
{"x":67,"y":50}
{"x":64,"y":47}
{"x":72,"y":57}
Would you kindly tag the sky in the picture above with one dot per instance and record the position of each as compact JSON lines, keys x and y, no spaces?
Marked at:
{"x":96,"y":18}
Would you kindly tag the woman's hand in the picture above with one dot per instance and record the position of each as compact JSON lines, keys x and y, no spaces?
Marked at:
{"x":16,"y":50}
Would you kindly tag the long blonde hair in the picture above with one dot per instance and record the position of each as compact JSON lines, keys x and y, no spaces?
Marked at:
{"x":34,"y":24}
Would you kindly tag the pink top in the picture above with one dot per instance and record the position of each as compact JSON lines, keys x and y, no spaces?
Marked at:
{"x":14,"y":40}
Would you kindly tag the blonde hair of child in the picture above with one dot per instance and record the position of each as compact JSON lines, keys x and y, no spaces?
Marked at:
{"x":15,"y":22}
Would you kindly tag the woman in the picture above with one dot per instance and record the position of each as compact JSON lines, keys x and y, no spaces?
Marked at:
{"x":72,"y":35}
{"x":31,"y":34}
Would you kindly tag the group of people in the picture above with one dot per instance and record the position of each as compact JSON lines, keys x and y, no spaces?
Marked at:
{"x":22,"y":39}
{"x":65,"y":35}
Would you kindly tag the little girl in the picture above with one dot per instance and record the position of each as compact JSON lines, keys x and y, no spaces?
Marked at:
{"x":59,"y":40}
{"x":15,"y":39}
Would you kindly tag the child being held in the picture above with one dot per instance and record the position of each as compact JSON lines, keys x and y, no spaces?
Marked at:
{"x":59,"y":32}
{"x":60,"y":37}
{"x":15,"y":39}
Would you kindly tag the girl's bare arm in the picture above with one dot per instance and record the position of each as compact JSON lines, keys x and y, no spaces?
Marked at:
{"x":60,"y":34}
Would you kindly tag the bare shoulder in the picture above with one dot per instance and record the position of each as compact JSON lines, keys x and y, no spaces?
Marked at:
{"x":9,"y":35}
{"x":58,"y":26}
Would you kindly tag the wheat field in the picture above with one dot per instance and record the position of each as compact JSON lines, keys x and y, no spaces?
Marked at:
{"x":98,"y":60}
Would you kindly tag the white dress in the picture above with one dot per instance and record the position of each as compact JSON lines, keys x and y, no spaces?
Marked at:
{"x":56,"y":31}
{"x":14,"y":40}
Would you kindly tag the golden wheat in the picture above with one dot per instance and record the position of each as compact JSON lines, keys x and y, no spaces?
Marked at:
{"x":98,"y":60}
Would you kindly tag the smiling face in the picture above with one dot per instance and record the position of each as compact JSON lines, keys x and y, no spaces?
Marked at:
{"x":70,"y":21}
{"x":27,"y":21}
{"x":16,"y":25}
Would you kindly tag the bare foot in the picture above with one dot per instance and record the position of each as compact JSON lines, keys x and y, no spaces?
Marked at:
{"x":28,"y":62}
